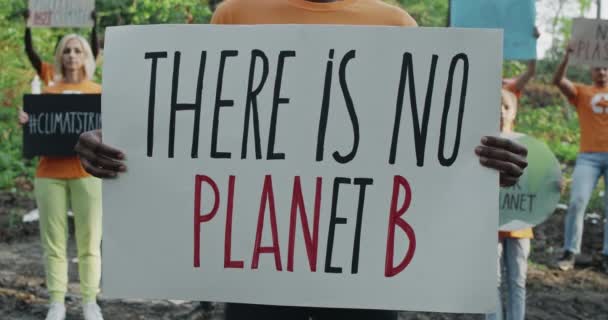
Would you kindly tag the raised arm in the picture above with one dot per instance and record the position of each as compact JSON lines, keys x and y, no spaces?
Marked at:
{"x":29,"y":46}
{"x":524,"y":78}
{"x":94,"y":40}
{"x":560,"y":80}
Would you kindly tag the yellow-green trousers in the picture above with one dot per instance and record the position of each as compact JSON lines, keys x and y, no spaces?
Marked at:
{"x":83,"y":196}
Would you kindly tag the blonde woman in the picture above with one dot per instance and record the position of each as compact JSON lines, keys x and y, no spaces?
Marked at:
{"x":62,"y":183}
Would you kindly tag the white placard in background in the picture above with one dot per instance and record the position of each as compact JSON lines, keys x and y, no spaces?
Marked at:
{"x":590,"y":42}
{"x":61,"y":13}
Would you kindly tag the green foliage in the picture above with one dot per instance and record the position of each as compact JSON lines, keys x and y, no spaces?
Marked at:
{"x":120,"y":12}
{"x":428,"y":13}
{"x":556,"y":125}
{"x":12,"y":10}
{"x":14,"y":79}
{"x":11,"y":164}
{"x":585,"y":5}
{"x":511,"y":69}
{"x":546,"y":68}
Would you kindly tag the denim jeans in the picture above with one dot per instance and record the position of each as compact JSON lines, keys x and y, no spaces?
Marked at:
{"x":589,"y":167}
{"x":512,"y":269}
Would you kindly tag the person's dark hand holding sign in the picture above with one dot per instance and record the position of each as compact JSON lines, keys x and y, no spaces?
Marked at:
{"x":98,"y":159}
{"x":504,"y":155}
{"x":501,"y":154}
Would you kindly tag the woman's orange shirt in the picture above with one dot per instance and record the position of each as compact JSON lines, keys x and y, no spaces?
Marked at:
{"x":65,"y":167}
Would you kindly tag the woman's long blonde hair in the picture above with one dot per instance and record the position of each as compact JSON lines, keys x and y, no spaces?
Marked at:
{"x":89,"y":60}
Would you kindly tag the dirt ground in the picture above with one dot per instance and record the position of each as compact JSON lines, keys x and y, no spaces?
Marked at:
{"x":552,"y":295}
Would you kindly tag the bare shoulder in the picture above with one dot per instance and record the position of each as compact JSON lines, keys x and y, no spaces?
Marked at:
{"x":228,"y":5}
{"x":228,"y":8}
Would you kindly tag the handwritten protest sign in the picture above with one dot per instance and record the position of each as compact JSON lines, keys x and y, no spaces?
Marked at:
{"x":516,"y":17}
{"x":534,"y":198}
{"x":56,"y":121}
{"x":302,"y":165}
{"x":590,"y":42}
{"x":60,"y":13}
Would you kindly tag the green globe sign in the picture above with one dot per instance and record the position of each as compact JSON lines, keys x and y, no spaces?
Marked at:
{"x":534,"y":198}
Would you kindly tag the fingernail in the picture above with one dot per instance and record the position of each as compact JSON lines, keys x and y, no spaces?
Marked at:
{"x":122,"y":168}
{"x":484,"y":139}
{"x":483,"y":159}
{"x":478,"y":150}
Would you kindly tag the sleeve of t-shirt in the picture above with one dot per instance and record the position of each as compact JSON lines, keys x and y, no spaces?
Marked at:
{"x":511,"y":86}
{"x":222,"y":13}
{"x":575,"y":98}
{"x":408,"y":21}
{"x":404,"y":19}
{"x":48,"y":89}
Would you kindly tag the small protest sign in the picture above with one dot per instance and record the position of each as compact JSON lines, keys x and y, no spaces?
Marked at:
{"x":590,"y":42}
{"x":60,"y":13}
{"x":56,"y":121}
{"x":516,"y":17}
{"x":534,"y":198}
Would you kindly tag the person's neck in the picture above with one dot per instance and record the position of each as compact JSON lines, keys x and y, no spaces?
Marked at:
{"x":506,"y":128}
{"x":601,"y":84}
{"x":72,"y":76}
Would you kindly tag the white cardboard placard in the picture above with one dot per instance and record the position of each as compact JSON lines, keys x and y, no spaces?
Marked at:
{"x":152,"y":247}
{"x":590,"y":41}
{"x":60,"y":13}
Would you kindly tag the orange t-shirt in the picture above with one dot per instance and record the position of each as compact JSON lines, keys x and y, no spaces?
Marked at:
{"x":517,"y":234}
{"x":591,"y":104}
{"x":346,"y":12}
{"x":65,"y":167}
{"x":47,"y":73}
{"x":524,"y":233}
{"x":510,"y":86}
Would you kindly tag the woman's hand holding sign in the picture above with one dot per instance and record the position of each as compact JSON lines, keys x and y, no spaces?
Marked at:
{"x":23,"y":117}
{"x":501,"y":154}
